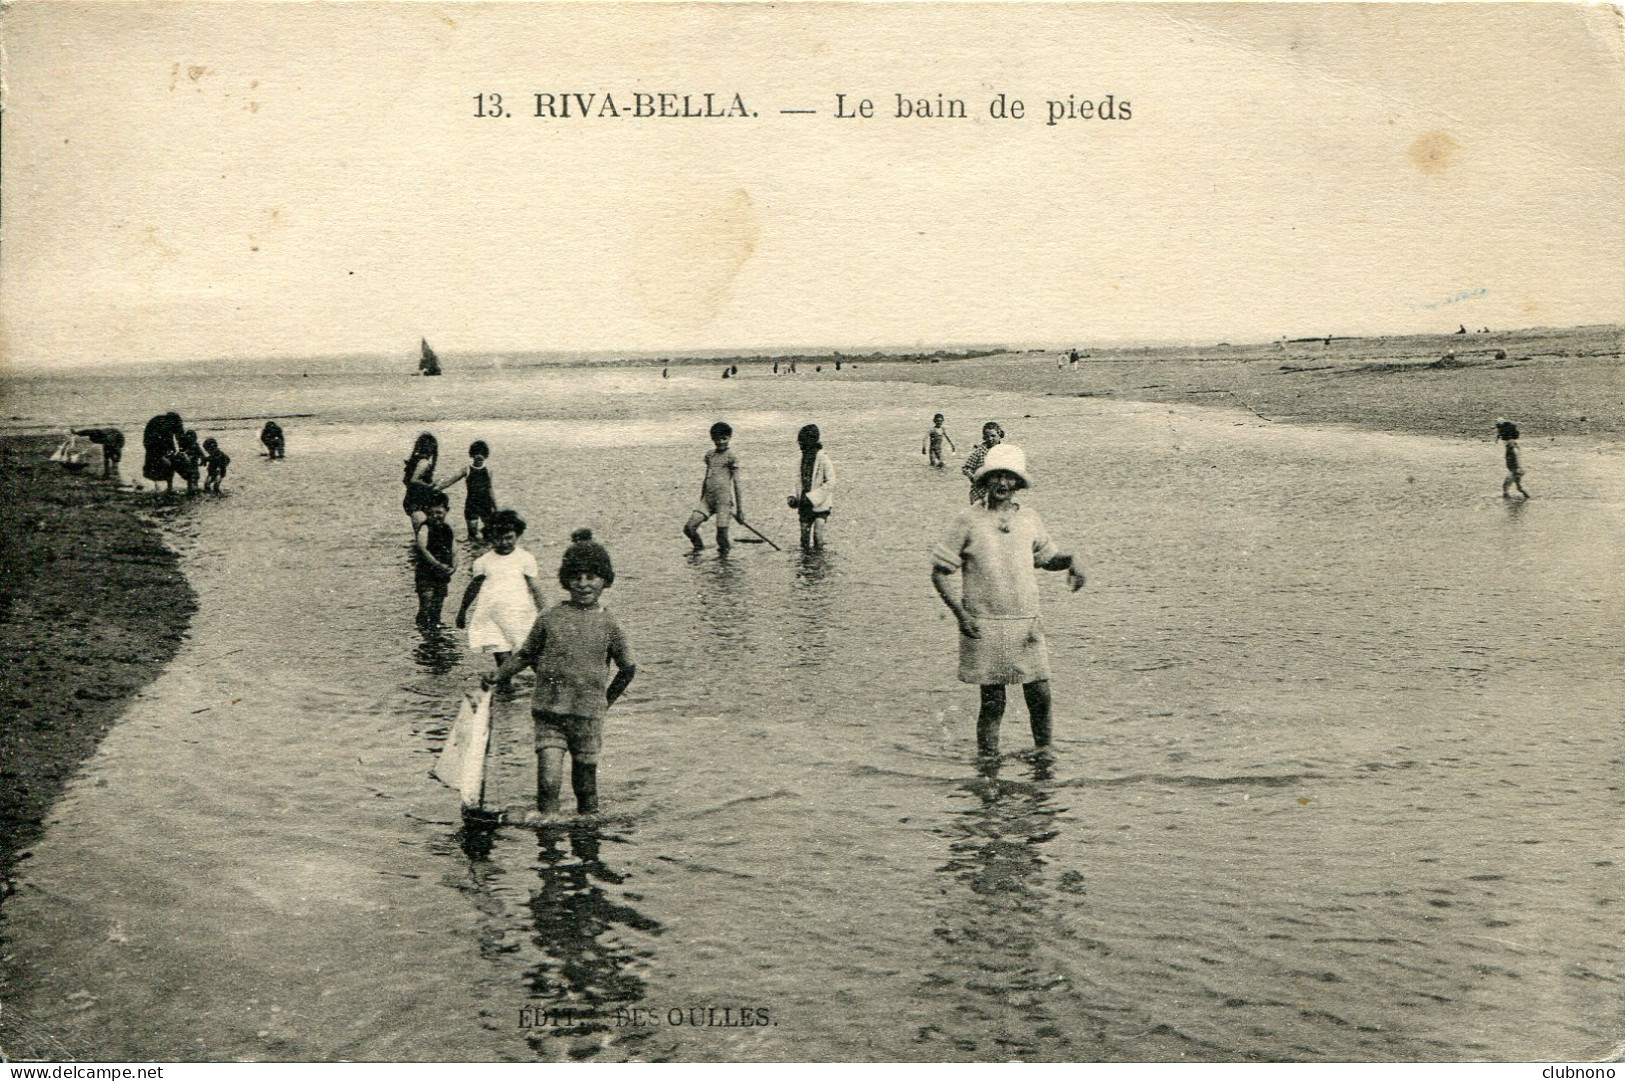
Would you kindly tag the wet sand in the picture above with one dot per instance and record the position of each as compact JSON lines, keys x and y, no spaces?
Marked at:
{"x":1552,"y":383}
{"x":92,"y":606}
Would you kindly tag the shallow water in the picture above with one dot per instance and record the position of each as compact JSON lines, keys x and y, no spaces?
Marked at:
{"x":1336,"y":775}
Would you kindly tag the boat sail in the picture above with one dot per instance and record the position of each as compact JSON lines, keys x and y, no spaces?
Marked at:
{"x":428,"y":364}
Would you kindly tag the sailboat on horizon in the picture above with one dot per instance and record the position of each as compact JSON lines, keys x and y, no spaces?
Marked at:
{"x":428,"y":363}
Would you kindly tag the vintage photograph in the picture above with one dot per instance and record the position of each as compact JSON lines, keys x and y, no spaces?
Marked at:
{"x":813,"y":532}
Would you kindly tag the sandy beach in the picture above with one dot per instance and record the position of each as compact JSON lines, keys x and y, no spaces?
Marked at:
{"x":92,"y":606}
{"x":1565,"y":382}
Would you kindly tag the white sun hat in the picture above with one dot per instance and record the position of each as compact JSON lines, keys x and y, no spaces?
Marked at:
{"x":1008,"y":457}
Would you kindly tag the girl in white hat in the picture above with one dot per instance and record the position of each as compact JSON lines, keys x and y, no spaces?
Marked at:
{"x":997,"y":543}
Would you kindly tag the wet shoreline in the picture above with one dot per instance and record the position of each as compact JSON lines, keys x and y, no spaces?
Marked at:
{"x":93,"y":605}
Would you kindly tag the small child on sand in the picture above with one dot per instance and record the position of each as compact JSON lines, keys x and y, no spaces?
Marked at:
{"x":217,"y":461}
{"x":435,"y":560}
{"x":572,"y":646}
{"x":111,"y":440}
{"x":719,"y":492}
{"x":1507,"y":432}
{"x":992,"y":436}
{"x":934,"y":438}
{"x":506,"y":592}
{"x":997,"y":542}
{"x":480,"y":503}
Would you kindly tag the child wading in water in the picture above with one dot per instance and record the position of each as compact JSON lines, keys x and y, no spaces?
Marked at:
{"x":435,"y":560}
{"x":992,"y":436}
{"x":506,"y":592}
{"x":719,"y":492}
{"x":1507,"y":432}
{"x":480,"y":502}
{"x":815,"y":487}
{"x":276,"y":444}
{"x":934,"y":438}
{"x":997,"y":542}
{"x":572,"y":646}
{"x":418,"y":476}
{"x":217,"y":460}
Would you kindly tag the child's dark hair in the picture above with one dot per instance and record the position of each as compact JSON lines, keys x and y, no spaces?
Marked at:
{"x":936,"y":417}
{"x":722,"y":430}
{"x":585,"y":555}
{"x":505,"y":520}
{"x":993,"y":426}
{"x":207,"y":443}
{"x":478,"y":449}
{"x":437,"y":499}
{"x":425,"y":446}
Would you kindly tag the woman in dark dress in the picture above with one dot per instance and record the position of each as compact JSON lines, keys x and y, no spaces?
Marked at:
{"x":161,"y":442}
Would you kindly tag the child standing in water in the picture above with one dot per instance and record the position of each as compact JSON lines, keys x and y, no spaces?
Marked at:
{"x":719,"y":492}
{"x":572,"y":646}
{"x":997,"y":542}
{"x":418,"y":477}
{"x":435,"y":559}
{"x":276,"y":444}
{"x":506,"y":592}
{"x":992,"y":436}
{"x":932,"y":447}
{"x":480,"y":503}
{"x":1507,"y":432}
{"x":217,"y":460}
{"x":188,"y":459}
{"x":815,"y":487}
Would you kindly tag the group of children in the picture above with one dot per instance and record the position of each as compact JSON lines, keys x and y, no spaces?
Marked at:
{"x":937,"y":435}
{"x":171,"y":449}
{"x":994,"y":546}
{"x":505,"y":612}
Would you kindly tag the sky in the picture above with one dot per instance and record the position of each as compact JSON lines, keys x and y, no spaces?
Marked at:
{"x":188,"y":181}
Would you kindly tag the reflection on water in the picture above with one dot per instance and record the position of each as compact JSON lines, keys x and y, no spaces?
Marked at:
{"x":586,"y":970}
{"x":438,"y":651}
{"x":722,"y":597}
{"x":811,"y":607}
{"x":998,"y":926}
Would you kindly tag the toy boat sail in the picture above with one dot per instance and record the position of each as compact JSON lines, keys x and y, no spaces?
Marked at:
{"x":71,"y":454}
{"x":428,"y":364}
{"x":462,"y":761}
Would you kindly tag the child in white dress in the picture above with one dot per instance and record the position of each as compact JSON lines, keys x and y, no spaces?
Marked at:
{"x":506,"y":593}
{"x":997,"y":543}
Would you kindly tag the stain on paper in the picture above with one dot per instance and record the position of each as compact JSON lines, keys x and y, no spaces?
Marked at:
{"x":1434,"y":152}
{"x":688,"y":254}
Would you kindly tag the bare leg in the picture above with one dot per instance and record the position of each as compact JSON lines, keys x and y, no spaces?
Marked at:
{"x":818,"y":532}
{"x":723,"y":543}
{"x":584,"y":779}
{"x":549,"y":779}
{"x":987,"y":721}
{"x":692,"y":531}
{"x":1038,"y":710}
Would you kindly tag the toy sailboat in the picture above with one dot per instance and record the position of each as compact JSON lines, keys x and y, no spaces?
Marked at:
{"x":461,"y":764}
{"x":428,"y":363}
